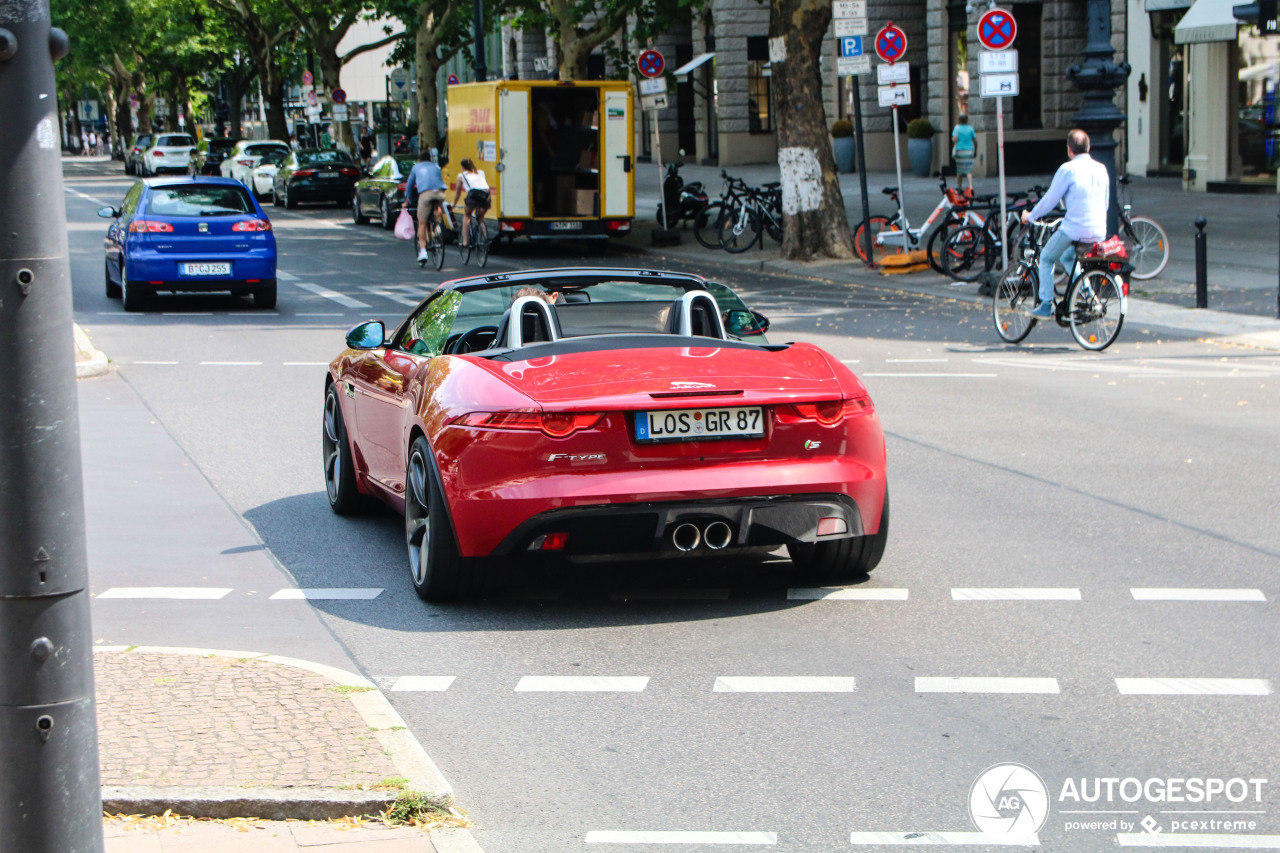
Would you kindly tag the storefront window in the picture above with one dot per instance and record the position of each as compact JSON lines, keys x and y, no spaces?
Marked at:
{"x":759,"y":104}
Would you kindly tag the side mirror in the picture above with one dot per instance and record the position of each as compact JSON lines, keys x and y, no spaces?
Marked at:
{"x":108,"y":213}
{"x":744,"y":324}
{"x":368,"y":335}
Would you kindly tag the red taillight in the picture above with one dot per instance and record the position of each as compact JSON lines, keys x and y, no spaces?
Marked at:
{"x":304,"y":173}
{"x":1124,"y":288}
{"x":245,"y":162}
{"x":157,"y":153}
{"x":252,"y":225}
{"x":827,"y":412}
{"x":517,"y":225}
{"x":550,"y":542}
{"x":551,"y":424}
{"x":149,"y":226}
{"x":618,"y":224}
{"x":404,"y":185}
{"x":348,"y":170}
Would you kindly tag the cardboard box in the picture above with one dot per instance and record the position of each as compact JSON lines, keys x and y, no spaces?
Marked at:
{"x":584,"y":203}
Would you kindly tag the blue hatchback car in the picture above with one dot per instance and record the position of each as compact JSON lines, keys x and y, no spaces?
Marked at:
{"x":204,"y":234}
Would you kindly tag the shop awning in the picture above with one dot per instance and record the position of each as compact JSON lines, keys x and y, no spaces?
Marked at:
{"x":1207,"y":20}
{"x":693,"y":63}
{"x":1165,"y":5}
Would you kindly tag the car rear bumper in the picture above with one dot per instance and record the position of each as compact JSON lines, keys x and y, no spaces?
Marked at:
{"x":315,"y":190}
{"x":247,"y":271}
{"x":694,"y":526}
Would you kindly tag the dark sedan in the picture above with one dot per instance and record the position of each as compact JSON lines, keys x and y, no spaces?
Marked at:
{"x":382,"y":192}
{"x":209,"y":155}
{"x":313,"y":174}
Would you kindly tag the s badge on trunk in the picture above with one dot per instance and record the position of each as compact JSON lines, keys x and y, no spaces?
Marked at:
{"x":203,"y":227}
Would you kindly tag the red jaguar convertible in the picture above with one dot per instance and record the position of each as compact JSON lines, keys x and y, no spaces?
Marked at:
{"x":601,"y":412}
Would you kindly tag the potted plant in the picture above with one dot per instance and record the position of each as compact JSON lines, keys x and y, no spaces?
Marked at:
{"x":920,"y":146}
{"x":842,"y":144}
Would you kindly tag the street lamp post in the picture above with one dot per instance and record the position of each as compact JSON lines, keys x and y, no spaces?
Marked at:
{"x":478,"y":7}
{"x":1098,"y":77}
{"x":50,"y":794}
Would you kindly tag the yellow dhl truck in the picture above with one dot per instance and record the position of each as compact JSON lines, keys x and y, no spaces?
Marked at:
{"x":557,"y":155}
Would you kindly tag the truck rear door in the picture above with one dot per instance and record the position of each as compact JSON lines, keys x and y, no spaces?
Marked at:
{"x":619,"y":176}
{"x":513,"y":153}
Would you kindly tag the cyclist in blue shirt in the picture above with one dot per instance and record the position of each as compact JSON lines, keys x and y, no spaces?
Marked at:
{"x":425,"y":185}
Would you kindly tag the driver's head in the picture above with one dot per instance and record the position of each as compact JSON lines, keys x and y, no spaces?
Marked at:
{"x":1077,"y":142}
{"x":424,"y":156}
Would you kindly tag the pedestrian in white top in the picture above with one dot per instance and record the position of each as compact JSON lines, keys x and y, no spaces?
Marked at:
{"x":1083,"y":183}
{"x":473,"y":182}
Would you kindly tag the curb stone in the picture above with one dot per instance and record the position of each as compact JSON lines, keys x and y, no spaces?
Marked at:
{"x":89,"y":361}
{"x":407,"y":755}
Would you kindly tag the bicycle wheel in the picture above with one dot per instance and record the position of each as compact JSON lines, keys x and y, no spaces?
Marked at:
{"x":1096,"y":310}
{"x":1148,"y":247}
{"x":740,"y":233}
{"x":435,"y":249}
{"x":706,"y":224}
{"x":479,"y":241}
{"x":967,"y":253}
{"x":1014,"y":295}
{"x":876,"y":226}
{"x":464,"y":252}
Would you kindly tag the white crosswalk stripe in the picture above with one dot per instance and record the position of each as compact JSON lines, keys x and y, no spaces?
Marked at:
{"x":327,"y":594}
{"x":345,"y":301}
{"x":1185,"y":594}
{"x":192,"y":593}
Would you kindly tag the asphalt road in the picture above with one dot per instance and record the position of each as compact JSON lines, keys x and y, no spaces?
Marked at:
{"x":1039,"y":494}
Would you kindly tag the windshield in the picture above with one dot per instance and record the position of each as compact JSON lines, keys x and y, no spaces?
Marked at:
{"x":306,"y":157}
{"x":198,"y":200}
{"x":263,"y":150}
{"x":222,"y":144}
{"x":174,"y":141}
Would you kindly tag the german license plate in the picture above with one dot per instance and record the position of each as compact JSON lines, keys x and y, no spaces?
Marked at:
{"x":199,"y":269}
{"x":566,"y":226}
{"x":328,"y":174}
{"x":696,"y":424}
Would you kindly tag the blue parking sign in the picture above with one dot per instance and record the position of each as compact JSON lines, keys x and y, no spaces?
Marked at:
{"x":851,"y":46}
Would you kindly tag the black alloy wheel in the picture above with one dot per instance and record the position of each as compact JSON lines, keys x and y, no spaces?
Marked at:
{"x":339,"y":468}
{"x":438,"y":571}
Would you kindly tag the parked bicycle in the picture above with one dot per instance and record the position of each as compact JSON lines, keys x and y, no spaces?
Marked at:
{"x":891,"y":235}
{"x":1091,"y":303}
{"x":709,"y":221}
{"x":1147,"y":242}
{"x":967,"y":252}
{"x":759,"y":211}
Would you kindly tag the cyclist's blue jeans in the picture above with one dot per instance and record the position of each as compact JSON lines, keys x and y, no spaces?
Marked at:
{"x":1058,"y":248}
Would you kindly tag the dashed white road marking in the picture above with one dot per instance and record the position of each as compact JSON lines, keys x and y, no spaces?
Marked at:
{"x":1015,"y":594}
{"x":672,"y":594}
{"x":327,"y":594}
{"x":409,"y":295}
{"x":345,"y":301}
{"x":582,"y":683}
{"x":850,"y":361}
{"x":193,"y":593}
{"x":783,"y":684}
{"x":422,"y":683}
{"x":285,"y":276}
{"x":79,"y":194}
{"x":766,"y":839}
{"x":1188,"y":594}
{"x":946,"y":838}
{"x":840,"y":593}
{"x":985,"y":684}
{"x":1185,"y":839}
{"x":1193,"y":686}
{"x":935,"y":375}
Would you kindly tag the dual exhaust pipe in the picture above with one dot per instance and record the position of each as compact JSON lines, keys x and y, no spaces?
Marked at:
{"x":688,"y":536}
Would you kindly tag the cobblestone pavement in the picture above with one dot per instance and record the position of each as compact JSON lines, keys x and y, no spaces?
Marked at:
{"x":166,"y":719}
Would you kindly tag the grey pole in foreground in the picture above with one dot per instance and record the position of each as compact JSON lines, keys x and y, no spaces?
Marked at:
{"x":481,"y":71}
{"x":50,"y":794}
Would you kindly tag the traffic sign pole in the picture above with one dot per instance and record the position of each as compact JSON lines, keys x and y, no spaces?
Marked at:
{"x":997,"y":29}
{"x":1004,"y":199}
{"x":891,"y":45}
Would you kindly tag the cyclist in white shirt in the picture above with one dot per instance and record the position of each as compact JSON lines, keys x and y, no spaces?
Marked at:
{"x":473,"y":182}
{"x":1085,"y":186}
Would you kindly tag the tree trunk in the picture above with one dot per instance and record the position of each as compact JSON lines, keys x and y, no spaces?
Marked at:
{"x":428,"y":67}
{"x":331,"y":74}
{"x":812,"y":204}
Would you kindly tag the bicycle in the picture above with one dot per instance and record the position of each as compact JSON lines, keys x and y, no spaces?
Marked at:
{"x":891,"y":235}
{"x":758,"y":212}
{"x":970,"y":251}
{"x":1146,"y":241}
{"x":709,"y":221}
{"x":435,"y":240}
{"x":1092,"y":303}
{"x":477,"y":240}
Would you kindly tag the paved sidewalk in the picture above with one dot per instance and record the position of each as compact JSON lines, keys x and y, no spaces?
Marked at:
{"x":238,"y":735}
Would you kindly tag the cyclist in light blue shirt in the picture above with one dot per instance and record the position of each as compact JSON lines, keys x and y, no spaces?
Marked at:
{"x":425,"y":184}
{"x":1083,"y":183}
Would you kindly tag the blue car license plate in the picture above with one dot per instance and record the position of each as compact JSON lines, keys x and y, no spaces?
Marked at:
{"x":205,"y":268}
{"x":699,"y":424}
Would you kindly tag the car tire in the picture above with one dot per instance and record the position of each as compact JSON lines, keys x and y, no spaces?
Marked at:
{"x":131,"y":296}
{"x":843,"y":557}
{"x":388,"y":221}
{"x":356,"y":215}
{"x":339,"y":466}
{"x":265,"y":296}
{"x":113,"y":289}
{"x":290,"y":202}
{"x":438,"y":571}
{"x":275,"y":197}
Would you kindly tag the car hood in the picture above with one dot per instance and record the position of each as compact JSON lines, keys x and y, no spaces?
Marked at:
{"x":668,"y":376}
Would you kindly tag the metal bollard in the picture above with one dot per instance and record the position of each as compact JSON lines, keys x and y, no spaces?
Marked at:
{"x":1202,"y":265}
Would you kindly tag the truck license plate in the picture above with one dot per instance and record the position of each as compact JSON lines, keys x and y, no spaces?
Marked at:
{"x":566,"y":226}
